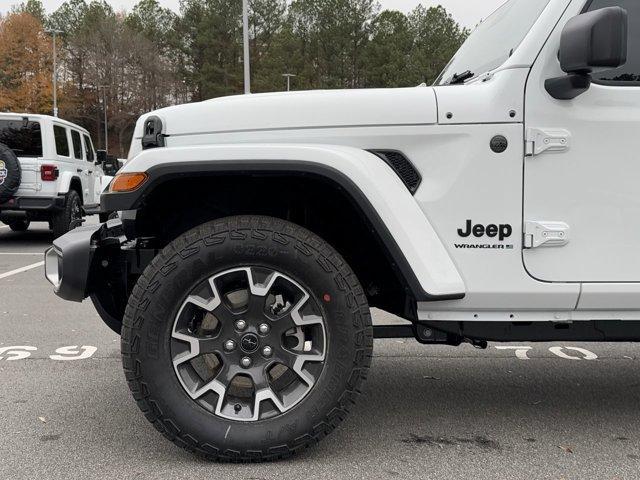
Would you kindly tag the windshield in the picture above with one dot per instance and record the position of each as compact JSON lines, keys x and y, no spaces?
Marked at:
{"x":494,"y":40}
{"x":22,"y":136}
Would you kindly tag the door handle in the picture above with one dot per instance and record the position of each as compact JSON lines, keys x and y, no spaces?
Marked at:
{"x":79,"y":170}
{"x":90,"y":172}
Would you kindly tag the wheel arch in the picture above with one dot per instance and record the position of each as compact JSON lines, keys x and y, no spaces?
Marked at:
{"x":367,"y":185}
{"x":69,"y":181}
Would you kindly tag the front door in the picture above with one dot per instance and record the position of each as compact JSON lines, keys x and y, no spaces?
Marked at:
{"x":95,"y":174}
{"x":582,"y":196}
{"x":82,"y":167}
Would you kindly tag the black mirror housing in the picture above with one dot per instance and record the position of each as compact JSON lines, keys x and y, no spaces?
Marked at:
{"x":111,"y":165}
{"x":101,"y":156}
{"x":594,"y":40}
{"x":568,"y":87}
{"x":590,"y":42}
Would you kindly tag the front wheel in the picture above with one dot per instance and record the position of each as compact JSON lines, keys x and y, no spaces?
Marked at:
{"x":69,"y":217}
{"x":247,"y":339}
{"x":20,"y":225}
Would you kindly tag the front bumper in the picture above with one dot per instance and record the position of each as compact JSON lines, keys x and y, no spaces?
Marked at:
{"x":69,"y":263}
{"x":40,"y":204}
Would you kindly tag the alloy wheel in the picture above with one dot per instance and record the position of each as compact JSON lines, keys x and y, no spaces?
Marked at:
{"x":248,"y":344}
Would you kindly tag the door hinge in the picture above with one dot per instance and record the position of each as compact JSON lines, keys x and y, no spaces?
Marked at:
{"x":546,"y":234}
{"x":539,"y":140}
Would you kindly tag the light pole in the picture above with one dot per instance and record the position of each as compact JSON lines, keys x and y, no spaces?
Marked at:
{"x":289,"y":76}
{"x":54,"y":33}
{"x":104,"y":104}
{"x":247,"y":59}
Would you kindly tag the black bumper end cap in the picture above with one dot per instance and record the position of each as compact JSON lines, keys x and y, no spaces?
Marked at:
{"x":74,"y":251}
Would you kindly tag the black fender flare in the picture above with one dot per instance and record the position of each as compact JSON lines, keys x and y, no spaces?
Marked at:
{"x":161,"y":173}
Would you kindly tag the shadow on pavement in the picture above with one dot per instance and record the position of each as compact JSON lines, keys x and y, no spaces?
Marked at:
{"x":34,"y":237}
{"x":445,"y":407}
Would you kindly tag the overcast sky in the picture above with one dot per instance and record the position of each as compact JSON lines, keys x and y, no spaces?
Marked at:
{"x":466,"y":12}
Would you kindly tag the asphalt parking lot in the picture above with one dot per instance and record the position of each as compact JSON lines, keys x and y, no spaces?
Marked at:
{"x":427,"y":412}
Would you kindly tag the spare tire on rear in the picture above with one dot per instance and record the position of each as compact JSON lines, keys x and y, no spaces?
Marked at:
{"x":10,"y":173}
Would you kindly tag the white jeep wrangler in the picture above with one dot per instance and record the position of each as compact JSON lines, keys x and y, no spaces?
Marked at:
{"x":48,"y":172}
{"x":501,"y":204}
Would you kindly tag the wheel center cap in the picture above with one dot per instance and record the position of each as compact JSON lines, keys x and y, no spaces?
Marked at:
{"x":249,"y":343}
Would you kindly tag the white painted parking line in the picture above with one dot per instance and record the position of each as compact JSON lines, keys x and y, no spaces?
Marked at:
{"x":523,"y":350}
{"x":63,"y":354}
{"x":20,"y":270}
{"x":22,"y":253}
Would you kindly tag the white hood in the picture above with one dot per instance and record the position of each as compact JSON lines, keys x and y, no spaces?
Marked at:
{"x":312,"y":109}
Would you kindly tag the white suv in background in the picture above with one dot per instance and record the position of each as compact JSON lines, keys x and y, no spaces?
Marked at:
{"x":49,"y":171}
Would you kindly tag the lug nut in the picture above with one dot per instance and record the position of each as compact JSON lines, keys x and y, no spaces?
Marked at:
{"x":241,"y":325}
{"x":264,"y":329}
{"x":267,"y":351}
{"x":245,"y":362}
{"x":229,"y":345}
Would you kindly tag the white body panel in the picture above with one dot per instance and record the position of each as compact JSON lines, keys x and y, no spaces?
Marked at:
{"x":610,"y":296}
{"x":30,"y":183}
{"x":594,"y":183}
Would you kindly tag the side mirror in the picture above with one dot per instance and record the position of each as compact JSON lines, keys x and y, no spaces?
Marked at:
{"x":101,"y":156}
{"x":590,"y":42}
{"x":111,"y":166}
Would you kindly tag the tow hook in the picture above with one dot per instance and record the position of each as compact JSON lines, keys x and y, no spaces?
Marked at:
{"x":428,"y":335}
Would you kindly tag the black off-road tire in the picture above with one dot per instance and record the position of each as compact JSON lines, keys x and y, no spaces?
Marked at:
{"x":20,"y":225}
{"x":10,"y":173}
{"x":104,"y":304}
{"x":69,"y":217}
{"x":194,"y":257}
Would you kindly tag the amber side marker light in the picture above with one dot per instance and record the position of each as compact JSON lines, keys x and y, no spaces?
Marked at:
{"x":128,"y":182}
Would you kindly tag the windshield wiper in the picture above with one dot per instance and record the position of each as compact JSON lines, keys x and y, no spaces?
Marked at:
{"x":459,"y":78}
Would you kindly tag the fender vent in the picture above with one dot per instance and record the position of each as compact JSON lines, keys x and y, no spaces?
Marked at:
{"x":402,"y":166}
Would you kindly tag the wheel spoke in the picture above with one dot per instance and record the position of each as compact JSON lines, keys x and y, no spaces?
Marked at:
{"x":258,"y":292}
{"x":225,"y":314}
{"x":213,"y":386}
{"x":197,"y":346}
{"x":298,"y":367}
{"x":262,"y":289}
{"x":208,"y":305}
{"x":262,"y":395}
{"x":219,"y":385}
{"x":301,"y":319}
{"x":295,"y":362}
{"x":283,"y":324}
{"x":285,"y":357}
{"x":256,"y":306}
